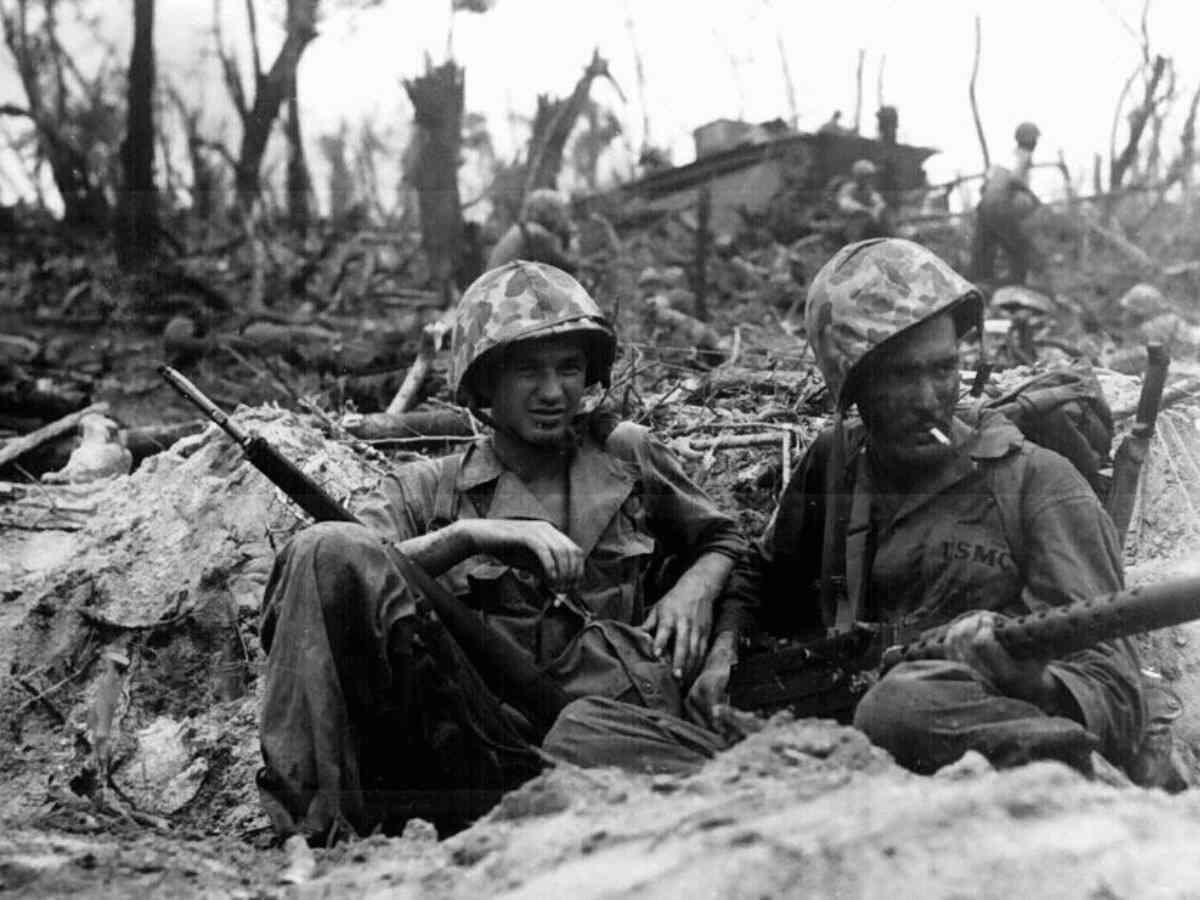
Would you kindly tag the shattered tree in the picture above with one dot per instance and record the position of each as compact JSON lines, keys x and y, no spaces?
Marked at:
{"x":137,"y":213}
{"x":67,"y":125}
{"x":553,"y":123}
{"x":271,"y":88}
{"x":432,"y":167}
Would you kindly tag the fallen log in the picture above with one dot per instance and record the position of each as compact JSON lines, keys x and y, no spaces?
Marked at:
{"x":387,"y":426}
{"x":149,"y":440}
{"x":432,"y":339}
{"x":18,"y":447}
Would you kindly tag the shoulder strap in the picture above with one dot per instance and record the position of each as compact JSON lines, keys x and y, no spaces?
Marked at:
{"x":445,"y":498}
{"x":858,"y":550}
{"x":624,"y":439}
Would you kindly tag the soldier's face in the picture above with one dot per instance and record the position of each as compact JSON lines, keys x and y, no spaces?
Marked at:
{"x":909,"y":386}
{"x":537,"y":388}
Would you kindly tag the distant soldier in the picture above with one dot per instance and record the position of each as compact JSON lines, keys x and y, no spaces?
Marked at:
{"x":861,"y":206}
{"x":542,"y":233}
{"x":1005,"y":203}
{"x":834,"y":125}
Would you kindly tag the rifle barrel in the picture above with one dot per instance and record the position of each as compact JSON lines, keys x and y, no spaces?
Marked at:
{"x":196,"y":397}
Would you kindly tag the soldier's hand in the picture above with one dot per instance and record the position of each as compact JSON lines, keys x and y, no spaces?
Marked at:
{"x":972,"y":640}
{"x":682,"y":621}
{"x":529,"y":544}
{"x":711,"y":685}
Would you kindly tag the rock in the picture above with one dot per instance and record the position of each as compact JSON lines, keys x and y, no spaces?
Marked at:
{"x":161,"y":776}
{"x":971,"y":764}
{"x":100,"y":454}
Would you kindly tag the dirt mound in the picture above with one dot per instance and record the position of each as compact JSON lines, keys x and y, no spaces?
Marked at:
{"x":800,"y":809}
{"x":133,"y":648}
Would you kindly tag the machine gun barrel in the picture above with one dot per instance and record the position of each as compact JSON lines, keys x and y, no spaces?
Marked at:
{"x":1059,"y":630}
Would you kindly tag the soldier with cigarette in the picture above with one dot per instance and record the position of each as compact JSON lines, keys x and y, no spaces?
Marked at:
{"x":911,"y":519}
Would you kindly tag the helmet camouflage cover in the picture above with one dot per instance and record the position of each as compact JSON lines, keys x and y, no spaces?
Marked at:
{"x":862,"y":168}
{"x":871,"y":291}
{"x":521,"y":301}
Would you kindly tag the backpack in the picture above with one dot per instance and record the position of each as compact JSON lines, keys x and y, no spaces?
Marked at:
{"x":1063,"y":410}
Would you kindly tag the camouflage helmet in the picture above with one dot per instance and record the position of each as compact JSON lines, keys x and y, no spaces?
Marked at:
{"x":863,"y":168}
{"x":521,"y":301}
{"x":1144,"y":301}
{"x":548,"y":208}
{"x":1015,"y":297}
{"x":1027,"y":134}
{"x":871,"y":291}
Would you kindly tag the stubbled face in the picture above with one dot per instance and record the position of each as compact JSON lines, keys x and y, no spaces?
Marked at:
{"x":909,"y":385}
{"x":536,"y":388}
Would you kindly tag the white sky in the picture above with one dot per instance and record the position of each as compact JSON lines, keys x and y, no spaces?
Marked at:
{"x":1061,"y":63}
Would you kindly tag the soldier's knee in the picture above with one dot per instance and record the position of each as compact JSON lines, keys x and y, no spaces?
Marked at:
{"x":879,"y":714}
{"x":337,"y":539}
{"x":895,"y":707}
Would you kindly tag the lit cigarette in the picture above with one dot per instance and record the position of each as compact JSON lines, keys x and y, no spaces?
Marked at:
{"x":940,"y":437}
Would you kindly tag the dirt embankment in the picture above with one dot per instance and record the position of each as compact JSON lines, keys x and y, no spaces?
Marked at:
{"x":128,"y":703}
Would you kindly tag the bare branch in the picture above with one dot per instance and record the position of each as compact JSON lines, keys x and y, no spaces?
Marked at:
{"x":858,"y":72}
{"x":252,"y":24}
{"x":1116,"y":123}
{"x":987,"y":160}
{"x":230,"y":69}
{"x":1137,"y":124}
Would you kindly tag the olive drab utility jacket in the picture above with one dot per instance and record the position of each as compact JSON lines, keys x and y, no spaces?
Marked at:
{"x":630,"y":506}
{"x":1008,"y":526}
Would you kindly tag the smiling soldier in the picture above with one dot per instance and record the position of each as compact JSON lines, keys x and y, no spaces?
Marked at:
{"x":913,"y":520}
{"x":547,"y":531}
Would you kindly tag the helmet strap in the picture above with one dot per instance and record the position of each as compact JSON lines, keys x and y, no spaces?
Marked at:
{"x":834,"y":503}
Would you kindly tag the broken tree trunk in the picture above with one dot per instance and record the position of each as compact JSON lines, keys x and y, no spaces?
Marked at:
{"x":437,"y":99}
{"x":450,"y":422}
{"x":270,"y":90}
{"x":1138,"y":120}
{"x":137,"y":214}
{"x":299,"y":184}
{"x":553,"y":124}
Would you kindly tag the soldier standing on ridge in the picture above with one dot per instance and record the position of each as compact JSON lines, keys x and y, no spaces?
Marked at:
{"x":542,"y":233}
{"x":1006,"y":202}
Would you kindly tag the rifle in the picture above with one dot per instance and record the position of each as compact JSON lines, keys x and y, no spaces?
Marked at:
{"x":1131,"y":454}
{"x":827,"y":677}
{"x":513,"y":677}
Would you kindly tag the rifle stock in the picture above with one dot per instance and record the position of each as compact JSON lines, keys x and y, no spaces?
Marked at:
{"x":512,"y":676}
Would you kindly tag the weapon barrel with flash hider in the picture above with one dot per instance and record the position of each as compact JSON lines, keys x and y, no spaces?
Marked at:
{"x":1057,"y":631}
{"x":828,"y":677}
